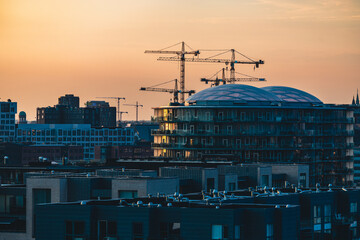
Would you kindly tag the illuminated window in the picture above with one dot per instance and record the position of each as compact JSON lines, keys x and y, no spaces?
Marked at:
{"x":219,"y":232}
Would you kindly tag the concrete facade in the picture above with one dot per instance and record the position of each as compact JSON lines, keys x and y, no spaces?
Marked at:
{"x":295,"y":174}
{"x":58,"y":193}
{"x":143,"y":186}
{"x":203,"y":179}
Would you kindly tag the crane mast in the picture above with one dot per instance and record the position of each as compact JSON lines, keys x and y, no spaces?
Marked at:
{"x":232,"y":61}
{"x":180,"y":57}
{"x":121,"y":113}
{"x":175,"y":91}
{"x":232,"y":79}
{"x":137,"y":105}
{"x":118,"y":105}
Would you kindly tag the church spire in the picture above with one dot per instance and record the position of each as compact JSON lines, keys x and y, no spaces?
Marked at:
{"x":357,"y":97}
{"x":353,"y":101}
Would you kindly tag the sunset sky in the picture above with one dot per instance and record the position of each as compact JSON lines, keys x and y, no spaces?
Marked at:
{"x":96,"y":48}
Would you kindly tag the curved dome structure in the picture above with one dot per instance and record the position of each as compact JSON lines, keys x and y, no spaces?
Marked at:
{"x":292,"y":95}
{"x":22,"y":114}
{"x":234,"y":92}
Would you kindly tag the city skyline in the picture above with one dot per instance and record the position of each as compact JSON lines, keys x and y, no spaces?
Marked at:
{"x":96,"y":49}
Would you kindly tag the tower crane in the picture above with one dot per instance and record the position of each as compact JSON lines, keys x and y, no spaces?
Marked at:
{"x":224,"y":80}
{"x":118,"y":103}
{"x":121,"y":113}
{"x":137,"y":105}
{"x":175,"y":91}
{"x":180,"y":56}
{"x":232,"y":61}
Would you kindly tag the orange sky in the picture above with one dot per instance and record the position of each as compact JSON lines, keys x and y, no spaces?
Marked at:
{"x":96,"y":48}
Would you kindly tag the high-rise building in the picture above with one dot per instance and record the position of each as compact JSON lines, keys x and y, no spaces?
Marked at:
{"x":7,"y":121}
{"x":69,"y":100}
{"x":241,"y":123}
{"x":356,"y":106}
{"x":96,"y":113}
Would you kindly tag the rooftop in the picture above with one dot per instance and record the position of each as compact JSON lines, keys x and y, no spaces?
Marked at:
{"x":292,"y":95}
{"x":234,"y":92}
{"x":249,"y":95}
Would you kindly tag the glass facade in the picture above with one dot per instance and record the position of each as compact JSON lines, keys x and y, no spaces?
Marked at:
{"x":7,"y":121}
{"x":287,"y":132}
{"x":75,"y":134}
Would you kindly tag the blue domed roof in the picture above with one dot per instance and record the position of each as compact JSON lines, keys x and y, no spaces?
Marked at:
{"x":234,"y":92}
{"x":292,"y":95}
{"x":22,"y":114}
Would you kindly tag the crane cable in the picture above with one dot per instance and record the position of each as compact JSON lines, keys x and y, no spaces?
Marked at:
{"x":163,"y":83}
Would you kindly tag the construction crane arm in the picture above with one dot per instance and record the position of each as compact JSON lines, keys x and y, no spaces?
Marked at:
{"x":162,"y":52}
{"x":210,"y":60}
{"x":165,"y":90}
{"x":112,"y":97}
{"x":249,"y":80}
{"x":173,"y":52}
{"x":157,"y":89}
{"x":217,"y":81}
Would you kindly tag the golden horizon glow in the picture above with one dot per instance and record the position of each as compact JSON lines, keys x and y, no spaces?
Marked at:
{"x":96,"y":48}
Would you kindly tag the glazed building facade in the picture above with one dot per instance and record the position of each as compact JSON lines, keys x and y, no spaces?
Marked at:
{"x":242,"y":123}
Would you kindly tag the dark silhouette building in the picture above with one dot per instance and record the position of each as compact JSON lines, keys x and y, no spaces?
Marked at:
{"x":7,"y":121}
{"x":67,"y":111}
{"x":69,"y":100}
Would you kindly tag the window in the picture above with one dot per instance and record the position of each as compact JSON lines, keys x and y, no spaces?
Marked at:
{"x":229,"y":129}
{"x":269,"y":231}
{"x":192,"y":129}
{"x":243,"y":116}
{"x":40,"y":196}
{"x":188,"y":114}
{"x":219,"y":232}
{"x":353,"y":207}
{"x":207,"y":127}
{"x":317,"y":219}
{"x":268,"y":116}
{"x":170,"y":230}
{"x":128,"y":194}
{"x":106,"y":229}
{"x":137,"y":229}
{"x":302,"y":179}
{"x":237,"y":232}
{"x":238,"y":142}
{"x":232,"y":186}
{"x":327,"y":213}
{"x":207,"y":114}
{"x":221,"y":116}
{"x":12,"y":204}
{"x":210,"y":184}
{"x":265,"y":180}
{"x":74,"y":230}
